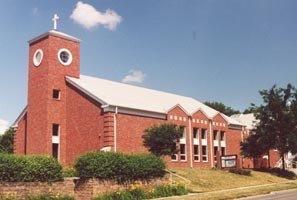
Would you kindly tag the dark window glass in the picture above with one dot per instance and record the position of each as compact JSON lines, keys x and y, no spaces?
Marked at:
{"x":204,"y":153}
{"x":64,"y":56}
{"x":55,"y":151}
{"x":215,"y":135}
{"x":203,"y":133}
{"x":174,"y":157}
{"x":56,"y":94}
{"x":223,"y":151}
{"x":56,"y":129}
{"x":215,"y":153}
{"x":196,"y":149}
{"x":222,"y":136}
{"x":182,"y":148}
{"x":195,"y":133}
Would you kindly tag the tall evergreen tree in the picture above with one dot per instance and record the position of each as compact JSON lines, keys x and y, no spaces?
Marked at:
{"x":277,"y":127}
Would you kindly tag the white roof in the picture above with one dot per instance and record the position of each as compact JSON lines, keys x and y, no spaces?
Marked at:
{"x":249,"y":120}
{"x":55,"y":33}
{"x":135,"y":97}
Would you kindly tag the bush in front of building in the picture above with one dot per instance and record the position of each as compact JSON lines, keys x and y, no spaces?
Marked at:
{"x":119,"y":167}
{"x":279,"y":172}
{"x":49,"y":197}
{"x":244,"y":172}
{"x":142,"y":193}
{"x":14,"y":168}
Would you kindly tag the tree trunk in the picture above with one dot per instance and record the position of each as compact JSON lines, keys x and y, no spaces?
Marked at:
{"x":283,"y":162}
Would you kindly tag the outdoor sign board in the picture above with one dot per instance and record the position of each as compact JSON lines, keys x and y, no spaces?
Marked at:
{"x":229,"y":161}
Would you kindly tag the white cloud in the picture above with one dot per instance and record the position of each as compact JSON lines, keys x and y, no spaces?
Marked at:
{"x":3,"y":126}
{"x":87,"y":16}
{"x":35,"y":11}
{"x":134,"y":76}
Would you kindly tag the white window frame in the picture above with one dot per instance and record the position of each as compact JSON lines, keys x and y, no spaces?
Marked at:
{"x":198,"y":130}
{"x":70,"y":57}
{"x":206,"y":156}
{"x":196,"y":155}
{"x":185,"y":154}
{"x":35,"y":61}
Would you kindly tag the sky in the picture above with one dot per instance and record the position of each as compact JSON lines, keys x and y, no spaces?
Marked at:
{"x":212,"y":50}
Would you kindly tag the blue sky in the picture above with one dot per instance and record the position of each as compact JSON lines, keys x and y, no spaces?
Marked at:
{"x":215,"y":50}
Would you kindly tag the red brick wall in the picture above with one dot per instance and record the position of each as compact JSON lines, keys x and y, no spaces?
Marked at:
{"x":199,"y":122}
{"x":84,"y":124}
{"x":130,"y":129}
{"x":20,"y":137}
{"x":43,"y":110}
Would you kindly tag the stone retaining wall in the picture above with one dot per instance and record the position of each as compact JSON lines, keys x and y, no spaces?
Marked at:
{"x":81,"y":190}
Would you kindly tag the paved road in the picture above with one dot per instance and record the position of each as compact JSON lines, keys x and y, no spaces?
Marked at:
{"x":282,"y":195}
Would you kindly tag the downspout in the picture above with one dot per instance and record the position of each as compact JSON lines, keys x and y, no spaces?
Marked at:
{"x":115,"y":129}
{"x":191,"y":142}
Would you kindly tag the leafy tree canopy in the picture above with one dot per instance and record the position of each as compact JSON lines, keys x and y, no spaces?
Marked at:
{"x":277,"y":127}
{"x":252,"y":109}
{"x":161,"y":139}
{"x":222,"y":108}
{"x":6,"y":141}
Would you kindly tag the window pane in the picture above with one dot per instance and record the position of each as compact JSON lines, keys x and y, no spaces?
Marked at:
{"x":55,"y":151}
{"x":196,"y":149}
{"x":182,"y":149}
{"x":56,"y":94}
{"x":203,"y":133}
{"x":222,"y":135}
{"x":56,"y":129}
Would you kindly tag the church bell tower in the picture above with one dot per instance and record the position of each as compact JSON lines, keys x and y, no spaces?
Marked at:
{"x":52,"y":56}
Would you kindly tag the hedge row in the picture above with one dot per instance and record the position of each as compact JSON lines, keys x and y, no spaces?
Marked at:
{"x":119,"y":167}
{"x":15,"y":168}
{"x":142,"y":193}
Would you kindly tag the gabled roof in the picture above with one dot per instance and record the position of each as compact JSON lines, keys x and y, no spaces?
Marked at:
{"x":134,"y":97}
{"x":249,"y":120}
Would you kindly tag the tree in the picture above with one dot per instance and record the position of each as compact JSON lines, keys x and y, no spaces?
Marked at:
{"x":161,"y":139}
{"x":6,"y":141}
{"x":277,"y":127}
{"x":252,"y":109}
{"x":222,"y":108}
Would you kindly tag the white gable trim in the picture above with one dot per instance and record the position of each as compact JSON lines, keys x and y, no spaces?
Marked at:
{"x":199,"y":109}
{"x":179,"y":106}
{"x":16,"y":122}
{"x":130,"y":111}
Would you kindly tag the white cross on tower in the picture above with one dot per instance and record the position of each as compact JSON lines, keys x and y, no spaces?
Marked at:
{"x":55,"y":20}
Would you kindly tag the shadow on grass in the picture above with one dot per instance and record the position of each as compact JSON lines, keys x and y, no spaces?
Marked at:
{"x":279,"y":172}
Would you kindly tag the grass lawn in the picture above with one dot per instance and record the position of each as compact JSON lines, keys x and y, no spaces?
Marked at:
{"x":205,"y":180}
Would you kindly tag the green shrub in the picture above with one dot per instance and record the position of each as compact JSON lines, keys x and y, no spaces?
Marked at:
{"x":140,"y":193}
{"x":243,"y":172}
{"x":119,"y":167}
{"x":49,"y":197}
{"x":279,"y":172}
{"x":145,"y":167}
{"x":15,"y":168}
{"x":69,"y":172}
{"x":167,"y":191}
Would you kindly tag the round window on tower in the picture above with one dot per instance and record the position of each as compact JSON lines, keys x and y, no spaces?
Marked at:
{"x":65,"y":56}
{"x":37,"y":57}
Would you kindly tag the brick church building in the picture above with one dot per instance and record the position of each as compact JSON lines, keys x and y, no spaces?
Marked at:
{"x":69,"y":114}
